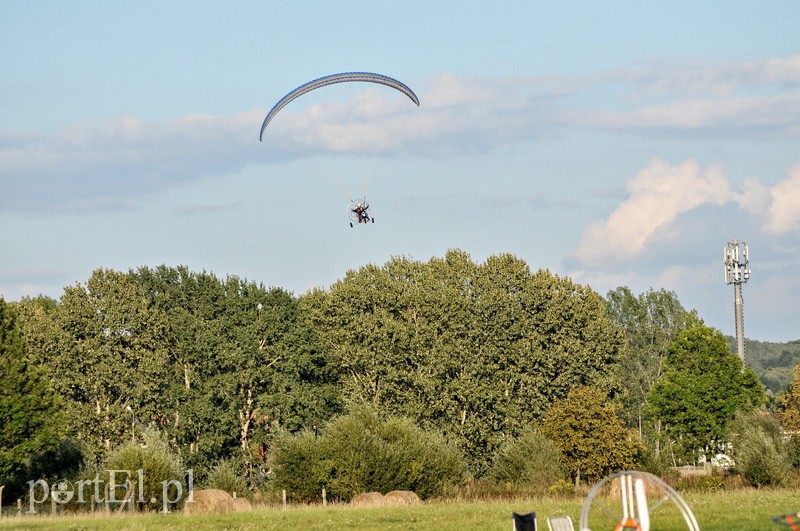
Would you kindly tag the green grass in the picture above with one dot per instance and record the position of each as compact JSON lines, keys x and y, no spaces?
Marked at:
{"x":749,"y":510}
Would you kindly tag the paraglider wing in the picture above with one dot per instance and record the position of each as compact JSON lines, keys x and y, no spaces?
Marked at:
{"x":332,"y":79}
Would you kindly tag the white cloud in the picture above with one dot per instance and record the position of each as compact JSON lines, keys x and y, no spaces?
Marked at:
{"x":657,"y":195}
{"x":733,"y":113}
{"x":102,"y":164}
{"x":784,"y":212}
{"x":693,"y":77}
{"x":660,"y":194}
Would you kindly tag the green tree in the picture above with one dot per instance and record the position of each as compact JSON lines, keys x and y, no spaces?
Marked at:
{"x":703,"y":386}
{"x":593,"y":438}
{"x":243,"y":359}
{"x":108,"y":359}
{"x":651,"y":321}
{"x":478,"y":351}
{"x":30,"y":413}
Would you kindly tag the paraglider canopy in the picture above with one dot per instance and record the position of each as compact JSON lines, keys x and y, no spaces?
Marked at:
{"x":345,"y":77}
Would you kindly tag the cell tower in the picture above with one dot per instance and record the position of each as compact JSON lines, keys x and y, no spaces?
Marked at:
{"x":737,"y":273}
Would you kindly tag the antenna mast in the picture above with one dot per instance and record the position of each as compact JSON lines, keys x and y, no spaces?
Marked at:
{"x":737,"y":273}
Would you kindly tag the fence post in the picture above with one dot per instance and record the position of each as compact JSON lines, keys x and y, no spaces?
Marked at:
{"x":284,"y":498}
{"x":1,"y":500}
{"x":324,"y":499}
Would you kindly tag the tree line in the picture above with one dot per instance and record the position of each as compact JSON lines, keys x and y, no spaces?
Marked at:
{"x":479,"y":353}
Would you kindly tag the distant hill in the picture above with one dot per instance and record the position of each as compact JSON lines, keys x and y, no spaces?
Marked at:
{"x":772,"y":362}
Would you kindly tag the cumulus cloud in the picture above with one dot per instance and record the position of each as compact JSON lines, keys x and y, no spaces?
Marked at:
{"x":661,"y":193}
{"x":784,"y":211}
{"x":656,"y":196}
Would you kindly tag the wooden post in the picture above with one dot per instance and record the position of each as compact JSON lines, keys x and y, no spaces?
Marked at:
{"x":1,"y":500}
{"x":284,"y":498}
{"x":19,"y":506}
{"x":52,"y":505}
{"x":324,"y":498}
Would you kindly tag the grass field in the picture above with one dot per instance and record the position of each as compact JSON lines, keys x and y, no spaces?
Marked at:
{"x":749,"y":510}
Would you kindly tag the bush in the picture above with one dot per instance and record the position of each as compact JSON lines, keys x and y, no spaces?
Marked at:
{"x":530,"y":460}
{"x":227,"y":476}
{"x":360,"y":452}
{"x":702,"y":483}
{"x":562,"y":489}
{"x":297,"y":465}
{"x":760,"y":454}
{"x":158,"y":464}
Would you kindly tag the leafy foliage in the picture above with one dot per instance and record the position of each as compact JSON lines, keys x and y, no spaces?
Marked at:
{"x":703,"y":387}
{"x":214,"y":363}
{"x":156,"y":461}
{"x":361,"y":452}
{"x":30,"y":414}
{"x":651,"y":321}
{"x":530,"y":460}
{"x":588,"y":430}
{"x":227,"y":476}
{"x":772,"y":362}
{"x":759,"y":451}
{"x":790,"y":404}
{"x":476,"y":351}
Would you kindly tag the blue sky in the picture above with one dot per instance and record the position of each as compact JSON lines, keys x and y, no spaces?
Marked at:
{"x":617,"y":143}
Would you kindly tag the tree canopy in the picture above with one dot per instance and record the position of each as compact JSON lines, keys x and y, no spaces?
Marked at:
{"x":703,"y":386}
{"x":30,"y":413}
{"x":479,"y":351}
{"x":588,"y":430}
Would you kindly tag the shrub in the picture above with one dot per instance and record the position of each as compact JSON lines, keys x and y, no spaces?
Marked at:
{"x":227,"y":476}
{"x":760,"y":454}
{"x":562,"y":489}
{"x":707,"y":483}
{"x":360,"y":452}
{"x":297,"y":465}
{"x":157,"y":462}
{"x":530,"y":460}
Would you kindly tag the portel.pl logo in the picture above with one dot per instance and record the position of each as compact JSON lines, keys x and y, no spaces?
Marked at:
{"x":122,"y":486}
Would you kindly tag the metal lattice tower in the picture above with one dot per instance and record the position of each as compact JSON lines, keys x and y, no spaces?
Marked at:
{"x":736,"y":273}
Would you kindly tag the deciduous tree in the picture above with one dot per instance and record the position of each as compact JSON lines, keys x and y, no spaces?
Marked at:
{"x":30,"y":413}
{"x":588,"y":430}
{"x":476,"y":350}
{"x":703,"y":386}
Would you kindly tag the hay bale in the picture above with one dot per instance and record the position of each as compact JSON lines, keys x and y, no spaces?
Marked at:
{"x":209,"y":501}
{"x":368,"y":499}
{"x":401,"y":497}
{"x":241,"y":504}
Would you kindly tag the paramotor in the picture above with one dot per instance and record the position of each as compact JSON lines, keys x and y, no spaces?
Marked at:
{"x":358,"y":210}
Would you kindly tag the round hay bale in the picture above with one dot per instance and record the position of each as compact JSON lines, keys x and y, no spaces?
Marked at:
{"x":368,"y":499}
{"x":241,"y":504}
{"x":209,"y":501}
{"x":401,"y":497}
